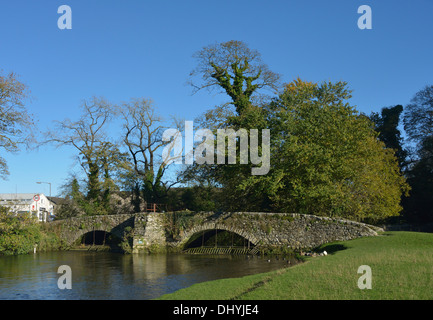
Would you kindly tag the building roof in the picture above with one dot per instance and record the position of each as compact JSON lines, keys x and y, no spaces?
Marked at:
{"x":57,"y":200}
{"x":17,"y":196}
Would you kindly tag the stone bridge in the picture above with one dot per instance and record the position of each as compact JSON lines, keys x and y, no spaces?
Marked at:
{"x":151,"y":232}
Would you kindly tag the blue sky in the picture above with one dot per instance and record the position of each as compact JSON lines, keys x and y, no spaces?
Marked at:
{"x":125,"y":49}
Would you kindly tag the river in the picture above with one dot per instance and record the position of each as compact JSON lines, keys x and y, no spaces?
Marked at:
{"x":106,"y":275}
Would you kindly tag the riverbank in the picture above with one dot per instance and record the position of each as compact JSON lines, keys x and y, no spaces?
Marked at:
{"x":401,"y":268}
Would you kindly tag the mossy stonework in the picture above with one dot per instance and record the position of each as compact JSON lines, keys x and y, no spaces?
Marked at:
{"x":274,"y":230}
{"x":171,"y":231}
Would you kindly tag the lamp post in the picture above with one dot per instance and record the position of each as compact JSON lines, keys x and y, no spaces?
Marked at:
{"x":39,"y":182}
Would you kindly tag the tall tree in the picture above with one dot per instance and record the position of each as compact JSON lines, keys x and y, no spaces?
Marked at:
{"x":236,"y":70}
{"x":73,"y":201}
{"x":232,"y":68}
{"x":419,"y":206}
{"x":142,"y":137}
{"x":418,"y":124}
{"x":326,"y":158}
{"x":418,"y":116}
{"x":89,"y":137}
{"x":16,"y":124}
{"x":386,"y":124}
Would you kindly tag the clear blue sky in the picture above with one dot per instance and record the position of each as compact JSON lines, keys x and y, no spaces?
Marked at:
{"x":140,"y":48}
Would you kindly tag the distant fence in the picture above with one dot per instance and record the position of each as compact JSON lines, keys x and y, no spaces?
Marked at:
{"x":222,"y":250}
{"x":155,"y":207}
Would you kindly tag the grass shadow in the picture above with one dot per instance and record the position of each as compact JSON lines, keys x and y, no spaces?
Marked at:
{"x":386,"y":234}
{"x":332,"y":248}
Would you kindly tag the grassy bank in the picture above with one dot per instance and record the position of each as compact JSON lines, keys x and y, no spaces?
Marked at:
{"x":401,"y":265}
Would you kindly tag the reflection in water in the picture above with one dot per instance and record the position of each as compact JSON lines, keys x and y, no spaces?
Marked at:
{"x":104,"y":275}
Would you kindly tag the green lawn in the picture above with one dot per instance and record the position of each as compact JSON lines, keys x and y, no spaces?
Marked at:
{"x":401,"y":265}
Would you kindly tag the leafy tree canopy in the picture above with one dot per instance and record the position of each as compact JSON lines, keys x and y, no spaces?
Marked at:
{"x":326,"y":158}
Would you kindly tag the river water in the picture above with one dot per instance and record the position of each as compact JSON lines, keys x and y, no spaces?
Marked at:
{"x":106,"y":275}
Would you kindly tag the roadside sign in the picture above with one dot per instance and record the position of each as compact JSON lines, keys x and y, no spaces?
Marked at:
{"x":36,"y":198}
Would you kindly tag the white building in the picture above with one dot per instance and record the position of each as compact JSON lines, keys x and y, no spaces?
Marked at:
{"x":37,"y":205}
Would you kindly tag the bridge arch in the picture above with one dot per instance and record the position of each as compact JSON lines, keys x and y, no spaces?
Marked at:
{"x":209,"y":227}
{"x":89,"y":230}
{"x":73,"y":229}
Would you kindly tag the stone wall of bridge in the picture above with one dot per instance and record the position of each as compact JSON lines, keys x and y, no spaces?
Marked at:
{"x":72,"y":229}
{"x":172,"y":231}
{"x":296,"y":231}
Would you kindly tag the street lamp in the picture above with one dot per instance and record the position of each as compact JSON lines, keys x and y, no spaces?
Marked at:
{"x":45,"y":182}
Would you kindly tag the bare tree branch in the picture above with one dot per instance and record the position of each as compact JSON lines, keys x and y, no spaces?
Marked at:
{"x":234,"y":69}
{"x":16,"y":124}
{"x":142,"y":137}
